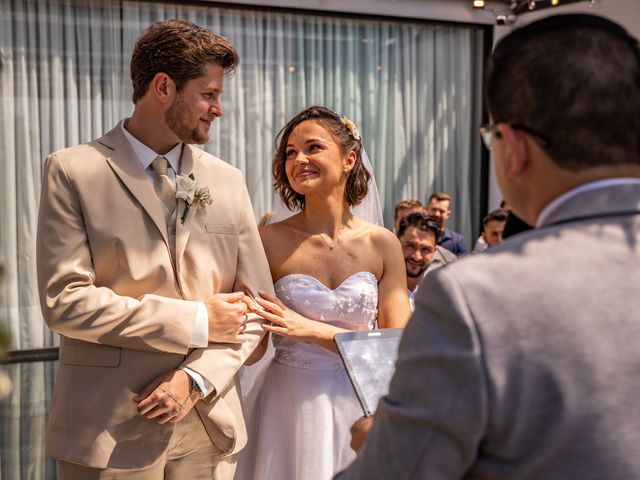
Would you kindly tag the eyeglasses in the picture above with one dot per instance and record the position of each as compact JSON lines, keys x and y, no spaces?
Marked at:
{"x":489,"y":130}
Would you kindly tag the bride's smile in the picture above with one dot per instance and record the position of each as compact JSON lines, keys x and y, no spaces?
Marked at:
{"x":314,"y":160}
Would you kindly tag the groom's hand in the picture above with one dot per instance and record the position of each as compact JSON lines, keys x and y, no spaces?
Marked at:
{"x":168,"y":398}
{"x":227,"y":316}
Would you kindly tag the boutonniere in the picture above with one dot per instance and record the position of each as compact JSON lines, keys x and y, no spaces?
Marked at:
{"x":188,"y":190}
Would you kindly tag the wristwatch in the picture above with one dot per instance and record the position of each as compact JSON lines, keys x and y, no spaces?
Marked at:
{"x":196,"y":388}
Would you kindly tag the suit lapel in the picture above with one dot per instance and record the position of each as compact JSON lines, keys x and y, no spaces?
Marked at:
{"x":125,"y":165}
{"x":188,"y":166}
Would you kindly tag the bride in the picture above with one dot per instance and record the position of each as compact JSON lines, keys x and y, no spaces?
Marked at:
{"x":333,"y":272}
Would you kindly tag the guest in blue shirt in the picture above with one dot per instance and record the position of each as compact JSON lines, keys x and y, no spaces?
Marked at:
{"x":438,"y":208}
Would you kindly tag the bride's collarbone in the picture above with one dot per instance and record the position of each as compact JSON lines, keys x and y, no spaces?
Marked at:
{"x":329,"y":265}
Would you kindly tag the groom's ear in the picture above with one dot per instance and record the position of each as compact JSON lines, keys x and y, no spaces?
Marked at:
{"x":162,"y":87}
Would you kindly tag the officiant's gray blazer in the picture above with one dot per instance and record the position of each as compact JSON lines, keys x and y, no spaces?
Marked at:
{"x":523,"y":362}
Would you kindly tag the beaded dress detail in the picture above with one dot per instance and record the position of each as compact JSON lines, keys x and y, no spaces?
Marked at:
{"x":352,"y":306}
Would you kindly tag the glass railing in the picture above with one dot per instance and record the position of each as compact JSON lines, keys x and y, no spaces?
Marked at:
{"x":24,"y":413}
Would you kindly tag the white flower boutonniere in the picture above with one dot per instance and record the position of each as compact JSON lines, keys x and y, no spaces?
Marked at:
{"x":188,"y":190}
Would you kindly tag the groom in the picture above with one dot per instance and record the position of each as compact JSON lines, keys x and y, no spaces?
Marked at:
{"x":145,"y":289}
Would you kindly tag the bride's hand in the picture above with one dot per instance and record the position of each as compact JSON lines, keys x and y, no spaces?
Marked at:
{"x":285,"y":321}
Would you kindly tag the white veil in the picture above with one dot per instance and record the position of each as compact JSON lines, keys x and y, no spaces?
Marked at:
{"x":369,"y":209}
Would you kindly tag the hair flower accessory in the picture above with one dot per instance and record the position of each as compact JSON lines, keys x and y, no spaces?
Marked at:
{"x":353,"y":130}
{"x":187,"y":189}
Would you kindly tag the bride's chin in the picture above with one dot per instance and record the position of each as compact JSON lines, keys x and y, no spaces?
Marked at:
{"x":302,"y":189}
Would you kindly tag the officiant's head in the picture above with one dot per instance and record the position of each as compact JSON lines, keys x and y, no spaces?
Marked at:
{"x":563,"y":94}
{"x":319,"y":153}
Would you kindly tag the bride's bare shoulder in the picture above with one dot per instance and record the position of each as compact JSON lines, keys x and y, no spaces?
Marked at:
{"x":378,"y":234}
{"x":382,"y":237}
{"x":279,"y":231}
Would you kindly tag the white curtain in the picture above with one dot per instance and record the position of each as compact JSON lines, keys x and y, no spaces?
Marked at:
{"x":412,"y":88}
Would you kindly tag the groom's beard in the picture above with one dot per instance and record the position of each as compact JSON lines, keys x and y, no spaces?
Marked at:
{"x":175,"y":116}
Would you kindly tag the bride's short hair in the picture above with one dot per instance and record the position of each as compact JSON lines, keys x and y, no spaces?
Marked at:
{"x":358,"y":179}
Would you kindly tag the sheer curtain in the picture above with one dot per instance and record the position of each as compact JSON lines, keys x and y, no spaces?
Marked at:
{"x":412,"y":88}
{"x":60,"y":84}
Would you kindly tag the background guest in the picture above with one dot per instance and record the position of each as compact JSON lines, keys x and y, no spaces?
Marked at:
{"x":404,"y":208}
{"x":492,"y":227}
{"x":418,"y":234}
{"x":441,"y":256}
{"x":438,"y":207}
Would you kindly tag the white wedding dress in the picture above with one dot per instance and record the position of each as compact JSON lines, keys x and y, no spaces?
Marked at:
{"x":299,"y":420}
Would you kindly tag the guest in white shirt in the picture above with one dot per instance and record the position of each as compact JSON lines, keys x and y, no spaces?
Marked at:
{"x":418,"y":234}
{"x":492,"y":229}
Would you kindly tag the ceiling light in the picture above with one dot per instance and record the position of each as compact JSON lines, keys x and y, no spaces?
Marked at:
{"x":478,"y":3}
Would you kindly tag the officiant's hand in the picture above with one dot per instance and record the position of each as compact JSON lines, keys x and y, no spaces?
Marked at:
{"x":168,"y":398}
{"x":360,"y":432}
{"x":227,"y":315}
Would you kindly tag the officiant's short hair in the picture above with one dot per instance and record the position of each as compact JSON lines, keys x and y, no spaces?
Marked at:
{"x":573,"y":82}
{"x":180,"y":49}
{"x":358,"y":179}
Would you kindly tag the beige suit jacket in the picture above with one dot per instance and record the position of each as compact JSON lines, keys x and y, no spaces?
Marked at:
{"x":125,"y":311}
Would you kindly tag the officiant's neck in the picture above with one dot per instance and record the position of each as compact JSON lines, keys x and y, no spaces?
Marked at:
{"x":327,"y":214}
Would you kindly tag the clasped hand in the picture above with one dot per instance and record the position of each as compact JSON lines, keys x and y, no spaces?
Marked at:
{"x":170,"y":397}
{"x":283,"y":320}
{"x":227,"y":314}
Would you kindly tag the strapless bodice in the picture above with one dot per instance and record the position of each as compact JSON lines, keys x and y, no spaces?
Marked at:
{"x":353,"y":305}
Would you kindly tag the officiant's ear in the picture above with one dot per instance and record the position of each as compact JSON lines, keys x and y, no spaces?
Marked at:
{"x":349,"y":161}
{"x":163,"y":87}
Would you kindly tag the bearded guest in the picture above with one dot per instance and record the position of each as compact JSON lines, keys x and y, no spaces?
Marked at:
{"x":404,"y":208}
{"x":149,"y":306}
{"x":418,"y":234}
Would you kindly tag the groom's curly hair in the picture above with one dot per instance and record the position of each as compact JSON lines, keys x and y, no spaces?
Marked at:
{"x":358,"y":180}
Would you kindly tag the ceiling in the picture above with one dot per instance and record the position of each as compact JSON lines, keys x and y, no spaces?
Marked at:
{"x":523,"y":6}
